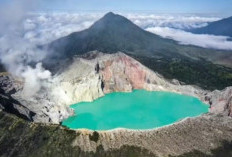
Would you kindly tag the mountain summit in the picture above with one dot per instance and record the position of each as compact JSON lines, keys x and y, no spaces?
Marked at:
{"x":114,"y":22}
{"x":110,"y":34}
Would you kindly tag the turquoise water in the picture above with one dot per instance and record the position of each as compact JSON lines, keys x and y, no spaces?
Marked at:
{"x":139,"y":109}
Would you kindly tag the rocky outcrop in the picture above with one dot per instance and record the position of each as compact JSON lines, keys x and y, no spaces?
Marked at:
{"x":45,"y":108}
{"x":94,"y":74}
{"x":79,"y":82}
{"x":123,"y":73}
{"x":207,"y":135}
{"x":9,"y":86}
{"x":220,"y":101}
{"x":39,"y":108}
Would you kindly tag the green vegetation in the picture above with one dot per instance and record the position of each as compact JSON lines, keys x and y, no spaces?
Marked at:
{"x":224,"y":151}
{"x":94,"y":137}
{"x":22,"y":138}
{"x":196,"y":72}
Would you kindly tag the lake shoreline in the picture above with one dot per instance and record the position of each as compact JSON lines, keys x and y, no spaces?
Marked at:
{"x":139,"y":109}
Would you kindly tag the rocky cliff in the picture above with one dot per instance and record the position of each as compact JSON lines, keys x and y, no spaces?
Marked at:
{"x":89,"y":77}
{"x":39,"y":108}
{"x":205,"y":136}
{"x":96,"y":74}
{"x":220,"y":101}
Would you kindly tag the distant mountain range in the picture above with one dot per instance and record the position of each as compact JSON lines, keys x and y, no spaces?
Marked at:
{"x":222,"y":27}
{"x":113,"y":33}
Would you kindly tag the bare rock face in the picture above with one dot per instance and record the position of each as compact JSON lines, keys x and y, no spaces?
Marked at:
{"x":79,"y":82}
{"x":220,"y":101}
{"x":45,"y":109}
{"x":39,"y":108}
{"x":9,"y":86}
{"x":123,"y":73}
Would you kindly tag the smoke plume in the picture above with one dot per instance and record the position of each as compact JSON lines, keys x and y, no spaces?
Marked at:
{"x":17,"y":53}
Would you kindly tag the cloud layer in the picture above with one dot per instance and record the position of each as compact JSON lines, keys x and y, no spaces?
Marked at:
{"x":179,"y":21}
{"x":186,"y":38}
{"x":45,"y":27}
{"x":41,"y":28}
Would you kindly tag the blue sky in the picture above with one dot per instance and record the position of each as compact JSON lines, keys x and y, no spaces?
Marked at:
{"x":162,"y":6}
{"x":167,"y":6}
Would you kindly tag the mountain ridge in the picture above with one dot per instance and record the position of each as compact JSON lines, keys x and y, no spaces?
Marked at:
{"x":221,"y":27}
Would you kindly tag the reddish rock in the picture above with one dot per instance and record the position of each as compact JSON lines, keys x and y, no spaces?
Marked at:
{"x":122,"y":74}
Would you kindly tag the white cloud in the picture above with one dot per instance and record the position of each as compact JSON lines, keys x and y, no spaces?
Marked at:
{"x":34,"y":79}
{"x":180,"y":21}
{"x":186,"y":38}
{"x":42,"y":28}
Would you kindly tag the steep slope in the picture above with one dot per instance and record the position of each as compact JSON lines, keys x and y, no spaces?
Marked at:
{"x":114,"y":33}
{"x":38,"y":108}
{"x":110,"y":34}
{"x":221,"y":27}
{"x":205,"y":136}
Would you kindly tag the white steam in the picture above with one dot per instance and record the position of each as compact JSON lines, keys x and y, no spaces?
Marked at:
{"x":34,"y":79}
{"x":16,"y":52}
